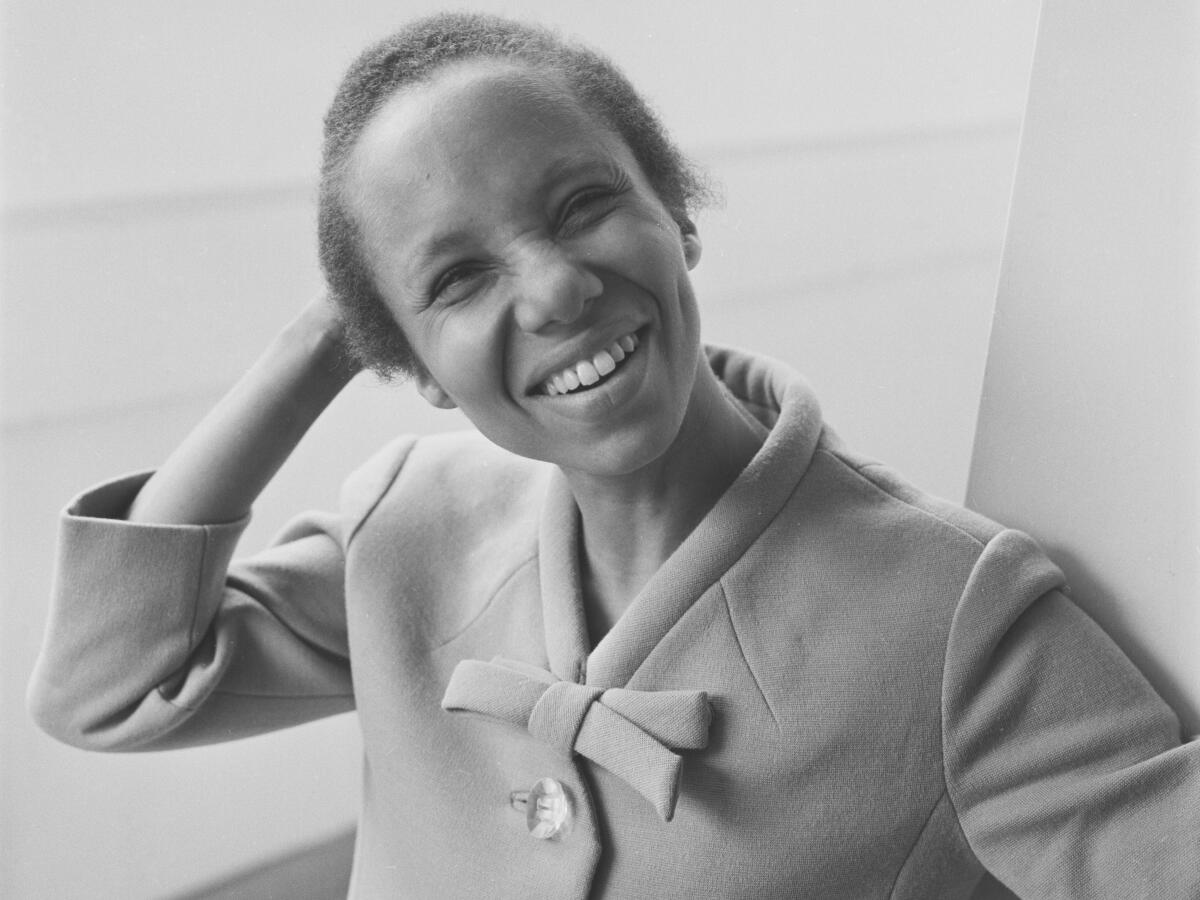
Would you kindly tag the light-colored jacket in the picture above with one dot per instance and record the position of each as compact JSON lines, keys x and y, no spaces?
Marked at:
{"x":887,"y":693}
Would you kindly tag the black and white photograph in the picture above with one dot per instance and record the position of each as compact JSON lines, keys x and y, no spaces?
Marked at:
{"x":600,"y":451}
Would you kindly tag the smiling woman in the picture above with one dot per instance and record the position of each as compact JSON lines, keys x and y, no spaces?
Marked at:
{"x":513,"y":239}
{"x":657,"y":632}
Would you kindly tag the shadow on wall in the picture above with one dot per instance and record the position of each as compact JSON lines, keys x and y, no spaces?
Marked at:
{"x":317,"y":872}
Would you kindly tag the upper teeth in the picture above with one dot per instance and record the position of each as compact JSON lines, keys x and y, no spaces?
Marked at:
{"x":587,"y":372}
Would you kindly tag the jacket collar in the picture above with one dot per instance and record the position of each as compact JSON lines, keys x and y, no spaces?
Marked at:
{"x":773,"y":395}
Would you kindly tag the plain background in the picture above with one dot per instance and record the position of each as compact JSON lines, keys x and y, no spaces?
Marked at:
{"x":158,"y":228}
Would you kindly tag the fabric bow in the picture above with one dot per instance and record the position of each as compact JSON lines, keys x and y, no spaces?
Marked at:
{"x":627,"y":732}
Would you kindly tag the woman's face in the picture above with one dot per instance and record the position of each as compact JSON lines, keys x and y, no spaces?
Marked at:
{"x":522,"y":250}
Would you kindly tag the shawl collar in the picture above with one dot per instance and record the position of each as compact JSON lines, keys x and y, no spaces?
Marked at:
{"x":776,"y":397}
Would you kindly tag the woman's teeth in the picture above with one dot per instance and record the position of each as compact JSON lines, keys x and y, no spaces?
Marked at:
{"x":588,"y":372}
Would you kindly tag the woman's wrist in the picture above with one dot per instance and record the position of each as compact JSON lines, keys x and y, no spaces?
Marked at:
{"x":220,"y":468}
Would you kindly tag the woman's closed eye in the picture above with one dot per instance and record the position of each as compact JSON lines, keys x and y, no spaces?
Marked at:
{"x":588,"y":206}
{"x":458,"y":282}
{"x":582,"y":209}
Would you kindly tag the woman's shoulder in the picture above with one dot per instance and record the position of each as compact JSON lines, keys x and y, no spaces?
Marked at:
{"x":439,"y":474}
{"x":886,"y":518}
{"x":897,"y":499}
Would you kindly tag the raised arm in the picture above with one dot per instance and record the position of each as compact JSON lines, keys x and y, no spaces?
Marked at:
{"x":153,"y":639}
{"x":221,"y":467}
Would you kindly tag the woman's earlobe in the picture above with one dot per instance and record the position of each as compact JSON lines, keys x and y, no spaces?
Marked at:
{"x":691,"y":247}
{"x":433,"y":393}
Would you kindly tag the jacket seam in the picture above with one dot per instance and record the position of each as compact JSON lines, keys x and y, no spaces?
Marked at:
{"x":942,"y":723}
{"x":745,"y":659}
{"x":205,"y":549}
{"x":858,"y":470}
{"x":981,"y":544}
{"x":487,"y":603}
{"x":920,"y":834}
{"x":191,"y":642}
{"x":353,"y":533}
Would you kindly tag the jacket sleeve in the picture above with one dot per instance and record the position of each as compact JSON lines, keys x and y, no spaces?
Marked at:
{"x":154,"y":640}
{"x":1067,"y":770}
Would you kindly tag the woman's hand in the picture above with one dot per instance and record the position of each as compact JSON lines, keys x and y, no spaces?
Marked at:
{"x":222,"y":466}
{"x":321,"y":323}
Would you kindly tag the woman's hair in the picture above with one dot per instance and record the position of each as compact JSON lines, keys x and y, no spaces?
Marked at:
{"x":412,"y":56}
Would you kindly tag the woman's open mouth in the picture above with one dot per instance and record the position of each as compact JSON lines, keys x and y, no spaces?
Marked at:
{"x":594,"y":370}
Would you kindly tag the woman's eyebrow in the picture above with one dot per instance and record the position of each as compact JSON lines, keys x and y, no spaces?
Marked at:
{"x":562,"y":169}
{"x":579,"y":164}
{"x":427,"y":254}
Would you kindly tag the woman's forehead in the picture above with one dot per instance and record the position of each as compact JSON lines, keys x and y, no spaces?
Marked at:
{"x":476,"y":146}
{"x":508,"y":104}
{"x":480,"y":124}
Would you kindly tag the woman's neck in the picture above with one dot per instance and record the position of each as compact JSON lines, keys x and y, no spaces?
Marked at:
{"x":632,"y":523}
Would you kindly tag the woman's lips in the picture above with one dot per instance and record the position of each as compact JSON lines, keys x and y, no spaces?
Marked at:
{"x":592,"y":370}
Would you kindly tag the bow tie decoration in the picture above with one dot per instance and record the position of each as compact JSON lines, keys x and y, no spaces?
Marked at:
{"x":630,"y":733}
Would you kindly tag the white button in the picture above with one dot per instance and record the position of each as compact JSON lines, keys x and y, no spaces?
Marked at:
{"x":546,"y":806}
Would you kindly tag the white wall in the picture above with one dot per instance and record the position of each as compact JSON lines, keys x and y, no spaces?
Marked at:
{"x":1089,"y":433}
{"x":158,"y":228}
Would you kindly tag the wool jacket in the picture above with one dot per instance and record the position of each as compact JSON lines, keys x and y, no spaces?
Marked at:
{"x":837,"y":687}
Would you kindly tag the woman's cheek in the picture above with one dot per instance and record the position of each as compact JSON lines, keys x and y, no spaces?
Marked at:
{"x":474,"y":344}
{"x":640,"y":249}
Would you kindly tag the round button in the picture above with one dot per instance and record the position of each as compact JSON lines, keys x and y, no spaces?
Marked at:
{"x":546,"y":806}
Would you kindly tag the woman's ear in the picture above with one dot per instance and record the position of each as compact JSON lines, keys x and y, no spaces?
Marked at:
{"x":691,"y":245}
{"x":432,"y":391}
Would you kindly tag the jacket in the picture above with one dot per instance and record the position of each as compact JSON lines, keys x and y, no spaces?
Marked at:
{"x":884,"y":694}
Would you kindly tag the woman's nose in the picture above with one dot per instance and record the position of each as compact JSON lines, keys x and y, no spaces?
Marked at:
{"x":553,"y":288}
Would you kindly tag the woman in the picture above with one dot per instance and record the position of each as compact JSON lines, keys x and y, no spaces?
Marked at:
{"x":660,"y":634}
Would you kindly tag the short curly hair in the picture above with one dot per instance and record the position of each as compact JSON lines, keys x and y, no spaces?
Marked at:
{"x":412,"y":56}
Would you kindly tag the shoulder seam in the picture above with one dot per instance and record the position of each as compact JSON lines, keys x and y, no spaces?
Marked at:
{"x":858,"y":470}
{"x":976,"y":541}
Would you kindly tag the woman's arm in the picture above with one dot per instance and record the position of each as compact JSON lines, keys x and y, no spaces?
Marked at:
{"x":221,"y":467}
{"x":152,"y":640}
